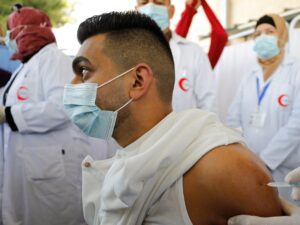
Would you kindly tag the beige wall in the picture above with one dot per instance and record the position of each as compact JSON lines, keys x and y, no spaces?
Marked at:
{"x":241,"y":11}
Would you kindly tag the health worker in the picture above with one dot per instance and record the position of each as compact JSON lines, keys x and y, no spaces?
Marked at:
{"x":267,"y":104}
{"x":194,"y":79}
{"x":41,"y":149}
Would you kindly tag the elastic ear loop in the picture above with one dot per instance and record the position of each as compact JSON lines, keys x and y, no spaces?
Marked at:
{"x":130,"y":100}
{"x":122,"y":74}
{"x":127,"y":103}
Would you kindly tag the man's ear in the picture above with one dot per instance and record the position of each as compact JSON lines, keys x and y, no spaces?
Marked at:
{"x":171,"y":10}
{"x":141,"y":81}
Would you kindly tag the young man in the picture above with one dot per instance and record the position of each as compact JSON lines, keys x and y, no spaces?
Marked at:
{"x":194,"y":79}
{"x":172,"y":168}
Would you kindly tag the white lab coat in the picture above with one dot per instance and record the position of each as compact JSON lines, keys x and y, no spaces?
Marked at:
{"x":277,"y":142}
{"x":194,"y":79}
{"x":42,"y":169}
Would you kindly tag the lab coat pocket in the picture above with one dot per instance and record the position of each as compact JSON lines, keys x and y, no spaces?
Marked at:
{"x":43,"y":163}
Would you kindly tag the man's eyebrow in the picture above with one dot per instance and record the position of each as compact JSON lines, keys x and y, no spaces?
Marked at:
{"x":78,"y":60}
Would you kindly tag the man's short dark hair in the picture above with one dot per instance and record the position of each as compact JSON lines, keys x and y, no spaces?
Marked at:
{"x":133,"y":38}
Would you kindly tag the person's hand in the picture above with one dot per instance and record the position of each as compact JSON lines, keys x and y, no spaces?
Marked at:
{"x":193,"y":3}
{"x":294,"y":177}
{"x":292,"y":218}
{"x":2,"y":114}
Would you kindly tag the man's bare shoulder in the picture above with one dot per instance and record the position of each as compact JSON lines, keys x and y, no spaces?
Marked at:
{"x":227,"y":181}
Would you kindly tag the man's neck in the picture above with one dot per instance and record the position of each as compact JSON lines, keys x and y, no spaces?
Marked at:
{"x":133,"y":129}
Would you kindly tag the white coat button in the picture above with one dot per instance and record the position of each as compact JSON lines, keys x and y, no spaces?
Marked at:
{"x":87,"y":164}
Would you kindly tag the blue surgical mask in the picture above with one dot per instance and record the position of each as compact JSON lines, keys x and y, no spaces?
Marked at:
{"x":156,"y":12}
{"x":11,"y":44}
{"x":80,"y":105}
{"x":266,"y":46}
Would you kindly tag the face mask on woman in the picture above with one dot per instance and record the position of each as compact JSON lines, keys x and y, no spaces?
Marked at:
{"x":266,"y":46}
{"x":11,"y":43}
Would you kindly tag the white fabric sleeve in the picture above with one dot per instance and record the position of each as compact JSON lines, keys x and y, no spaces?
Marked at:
{"x":55,"y":70}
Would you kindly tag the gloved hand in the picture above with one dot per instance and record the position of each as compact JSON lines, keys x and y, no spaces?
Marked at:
{"x":193,"y":3}
{"x":294,"y":177}
{"x":292,"y":211}
{"x":2,"y":114}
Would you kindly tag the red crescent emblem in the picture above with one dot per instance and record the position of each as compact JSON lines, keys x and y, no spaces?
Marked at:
{"x":22,"y":93}
{"x":181,"y":84}
{"x":283,"y":100}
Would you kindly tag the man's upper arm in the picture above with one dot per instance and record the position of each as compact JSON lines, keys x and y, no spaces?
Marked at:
{"x":228,"y":181}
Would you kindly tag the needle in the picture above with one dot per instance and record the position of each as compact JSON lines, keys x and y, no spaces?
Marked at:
{"x":283,"y":184}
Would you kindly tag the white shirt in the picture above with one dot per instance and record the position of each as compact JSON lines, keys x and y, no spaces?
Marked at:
{"x":194,"y":79}
{"x":170,"y":208}
{"x":123,"y":190}
{"x":277,"y":141}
